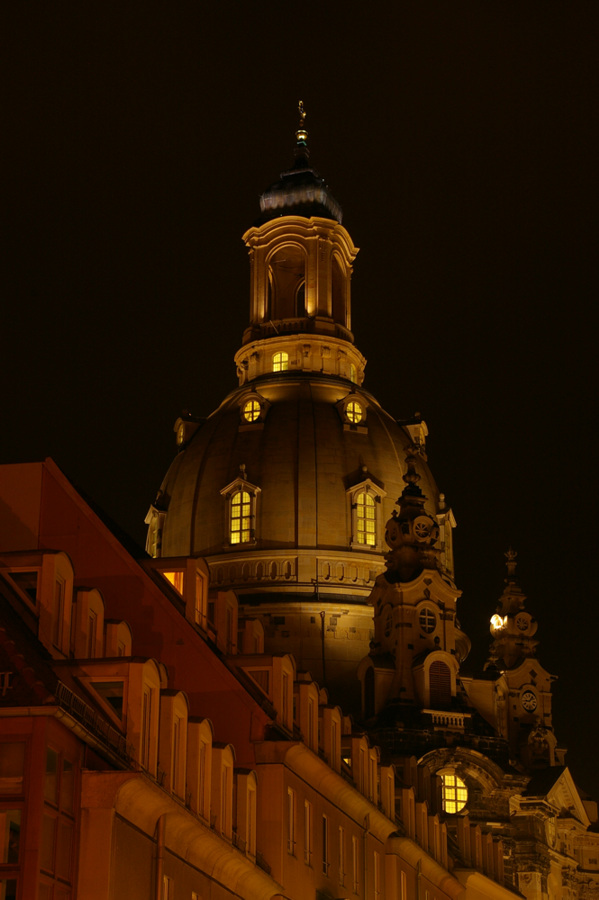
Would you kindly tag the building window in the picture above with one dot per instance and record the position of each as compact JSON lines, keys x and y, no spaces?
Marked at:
{"x":365,"y":507}
{"x":353,"y":376}
{"x":454,"y":793}
{"x":342,"y":861}
{"x":427,"y":620}
{"x":354,"y":412}
{"x":146,"y":727}
{"x":58,"y":613}
{"x":167,"y":888}
{"x":280,"y":362}
{"x":308,"y":832}
{"x":439,"y":683}
{"x":355,"y":849}
{"x":241,"y":509}
{"x":241,"y":502}
{"x":377,"y":876}
{"x":325,"y":845}
{"x":366,"y":519}
{"x":291,"y":804}
{"x":251,"y":411}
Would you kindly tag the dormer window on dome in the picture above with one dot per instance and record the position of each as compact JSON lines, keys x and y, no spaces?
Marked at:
{"x":352,"y":410}
{"x":241,"y":498}
{"x":365,"y":505}
{"x":252,"y":411}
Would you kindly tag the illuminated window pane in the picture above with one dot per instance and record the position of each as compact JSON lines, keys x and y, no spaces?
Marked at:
{"x":366,"y":519}
{"x":240,"y":518}
{"x":454,"y":793}
{"x":354,"y":412}
{"x":352,"y":373}
{"x":251,"y":410}
{"x":280,"y":362}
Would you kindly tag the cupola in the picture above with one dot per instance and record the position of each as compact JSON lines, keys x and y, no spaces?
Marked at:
{"x":301,"y":260}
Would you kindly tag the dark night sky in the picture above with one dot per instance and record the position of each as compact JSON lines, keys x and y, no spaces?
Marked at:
{"x":460,"y":140}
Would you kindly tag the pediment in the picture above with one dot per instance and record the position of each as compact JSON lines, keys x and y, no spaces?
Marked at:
{"x":557,"y":786}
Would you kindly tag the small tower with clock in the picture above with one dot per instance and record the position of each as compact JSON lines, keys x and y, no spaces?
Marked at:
{"x":523,"y":687}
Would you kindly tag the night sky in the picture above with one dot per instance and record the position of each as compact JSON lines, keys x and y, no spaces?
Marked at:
{"x":460,"y":140}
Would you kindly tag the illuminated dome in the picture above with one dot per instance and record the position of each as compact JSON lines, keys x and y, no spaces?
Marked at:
{"x":286,"y":488}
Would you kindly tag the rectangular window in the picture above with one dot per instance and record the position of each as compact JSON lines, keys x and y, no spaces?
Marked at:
{"x":341,"y":855}
{"x":12,"y":767}
{"x":325,"y":845}
{"x":51,"y":779}
{"x":10,"y":836}
{"x":291,"y":821}
{"x":355,"y":848}
{"x":285,"y":700}
{"x":167,"y":888}
{"x":146,"y":727}
{"x":376,"y":875}
{"x":308,"y":831}
{"x":92,"y":624}
{"x":58,"y":613}
{"x":176,"y":753}
{"x":403,"y":886}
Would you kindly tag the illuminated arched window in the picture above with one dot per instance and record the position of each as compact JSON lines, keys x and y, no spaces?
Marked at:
{"x":454,"y":793}
{"x":241,"y":518}
{"x":353,"y":375}
{"x":366,"y":519}
{"x":365,"y":509}
{"x":280,"y":362}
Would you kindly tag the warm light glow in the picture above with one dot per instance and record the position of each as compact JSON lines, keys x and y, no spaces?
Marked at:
{"x":251,"y":411}
{"x":454,"y":793}
{"x":365,"y":513}
{"x":240,"y":517}
{"x":280,"y":362}
{"x":497,"y":623}
{"x":176,"y":579}
{"x":354,"y":412}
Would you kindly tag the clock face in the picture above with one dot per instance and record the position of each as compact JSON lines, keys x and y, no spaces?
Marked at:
{"x":522,"y":622}
{"x":529,"y":701}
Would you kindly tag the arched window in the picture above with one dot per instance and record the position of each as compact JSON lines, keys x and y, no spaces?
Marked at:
{"x":280,"y":362}
{"x":366,"y":519}
{"x":353,"y":375}
{"x":440,"y":683}
{"x":365,"y":510}
{"x":454,"y":793}
{"x":241,"y":518}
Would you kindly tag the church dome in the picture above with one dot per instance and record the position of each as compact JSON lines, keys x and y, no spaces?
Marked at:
{"x":285,"y":489}
{"x":304,"y":462}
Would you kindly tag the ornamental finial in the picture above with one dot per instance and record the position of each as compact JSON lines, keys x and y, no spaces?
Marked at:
{"x":301,"y":135}
{"x":511,"y":563}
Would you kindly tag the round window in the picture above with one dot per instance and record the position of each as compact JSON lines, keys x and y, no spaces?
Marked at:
{"x":354,"y":412}
{"x":427,"y":620}
{"x":251,"y":411}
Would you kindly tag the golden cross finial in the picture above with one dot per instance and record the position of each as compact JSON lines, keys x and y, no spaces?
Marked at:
{"x":302,"y":113}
